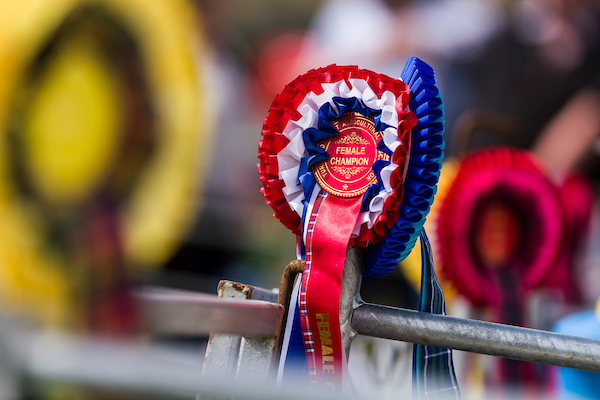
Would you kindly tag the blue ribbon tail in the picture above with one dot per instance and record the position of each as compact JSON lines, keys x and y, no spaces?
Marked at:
{"x":433,"y":367}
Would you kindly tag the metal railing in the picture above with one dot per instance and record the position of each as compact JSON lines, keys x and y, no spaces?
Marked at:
{"x":134,"y":367}
{"x":474,"y":336}
{"x":477,"y":337}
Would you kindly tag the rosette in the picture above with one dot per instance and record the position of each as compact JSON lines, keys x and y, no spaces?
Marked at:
{"x":349,"y":157}
{"x":510,"y":184}
{"x":301,"y":116}
{"x":394,"y":207}
{"x":499,"y":235}
{"x":102,"y":152}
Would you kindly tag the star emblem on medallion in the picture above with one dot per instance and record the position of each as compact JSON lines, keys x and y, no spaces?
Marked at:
{"x":345,"y":186}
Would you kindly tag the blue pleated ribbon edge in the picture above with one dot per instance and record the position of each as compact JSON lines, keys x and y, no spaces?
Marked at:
{"x":425,"y":163}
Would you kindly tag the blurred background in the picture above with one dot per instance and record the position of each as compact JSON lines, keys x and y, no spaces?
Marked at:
{"x":129,"y":131}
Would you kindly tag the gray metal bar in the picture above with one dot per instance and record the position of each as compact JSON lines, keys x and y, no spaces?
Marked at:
{"x":350,"y":295}
{"x":477,"y":336}
{"x":133,"y":367}
{"x":185,"y":313}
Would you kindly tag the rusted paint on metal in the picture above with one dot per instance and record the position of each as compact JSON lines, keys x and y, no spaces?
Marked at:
{"x":287,"y":281}
{"x":234,"y":289}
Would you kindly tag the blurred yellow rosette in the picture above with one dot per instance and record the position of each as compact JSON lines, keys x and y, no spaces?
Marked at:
{"x":97,"y":98}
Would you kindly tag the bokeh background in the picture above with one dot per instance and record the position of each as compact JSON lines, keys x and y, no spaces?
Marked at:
{"x":129,"y":131}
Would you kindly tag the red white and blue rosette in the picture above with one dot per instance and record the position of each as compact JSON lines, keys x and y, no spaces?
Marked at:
{"x":313,"y":129}
{"x":393,"y":209}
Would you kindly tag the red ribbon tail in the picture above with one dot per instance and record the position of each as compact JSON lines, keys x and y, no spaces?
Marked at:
{"x":329,"y":231}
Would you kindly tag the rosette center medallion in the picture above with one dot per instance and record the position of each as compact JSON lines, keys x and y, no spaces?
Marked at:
{"x":352,"y":152}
